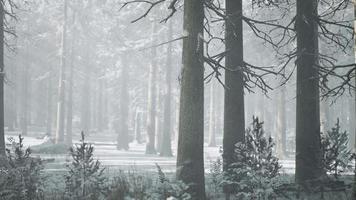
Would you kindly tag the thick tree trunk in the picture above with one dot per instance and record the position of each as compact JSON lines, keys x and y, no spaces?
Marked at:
{"x":123,"y":135}
{"x":61,"y":93}
{"x":151,"y":116}
{"x":234,"y":123}
{"x":308,"y":151}
{"x":190,"y":155}
{"x":2,"y":76}
{"x":166,"y":148}
{"x":212,"y":117}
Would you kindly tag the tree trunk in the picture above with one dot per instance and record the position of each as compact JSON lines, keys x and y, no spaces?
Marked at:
{"x":281,"y":123}
{"x":100,"y":118}
{"x":2,"y":76}
{"x":212,"y":117}
{"x":24,"y":97}
{"x":234,"y":123}
{"x":61,"y":93}
{"x":308,"y":151}
{"x":70,"y":91}
{"x":190,"y":154}
{"x":138,"y":118}
{"x":123,"y":135}
{"x":49,"y":102}
{"x":151,"y":116}
{"x":166,"y":148}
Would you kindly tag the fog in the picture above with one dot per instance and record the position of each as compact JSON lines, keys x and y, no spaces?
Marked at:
{"x":162,"y":87}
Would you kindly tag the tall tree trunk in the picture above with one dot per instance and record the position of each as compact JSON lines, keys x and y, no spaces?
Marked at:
{"x":138,"y":118}
{"x":61,"y":93}
{"x":2,"y":76}
{"x":190,"y":154}
{"x":100,"y":118}
{"x":324,"y":113}
{"x":69,"y":127}
{"x":281,"y":123}
{"x":234,"y":123}
{"x":308,"y":151}
{"x":166,"y":148}
{"x":49,"y":102}
{"x":24,"y":96}
{"x":123,"y":135}
{"x":151,"y":116}
{"x":212,"y":117}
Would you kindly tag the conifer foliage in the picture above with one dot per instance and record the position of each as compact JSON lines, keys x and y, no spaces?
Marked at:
{"x":20,"y":173}
{"x":255,"y":169}
{"x":336,"y":154}
{"x":85,"y":179}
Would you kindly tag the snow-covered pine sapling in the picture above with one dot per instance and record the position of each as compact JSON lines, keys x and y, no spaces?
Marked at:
{"x":253,"y":172}
{"x":336,"y":154}
{"x":85,"y":179}
{"x":21,"y":176}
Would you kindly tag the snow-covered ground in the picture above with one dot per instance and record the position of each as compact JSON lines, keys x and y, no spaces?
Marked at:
{"x":134,"y":158}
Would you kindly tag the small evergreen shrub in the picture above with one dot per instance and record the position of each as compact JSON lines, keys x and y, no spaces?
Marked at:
{"x":254,"y":174}
{"x":167,"y":189}
{"x":21,"y":175}
{"x":85,"y":178}
{"x":336,"y":154}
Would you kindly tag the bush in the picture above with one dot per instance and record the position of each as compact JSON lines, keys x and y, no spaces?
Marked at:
{"x":85,"y":178}
{"x":254,"y":173}
{"x":21,"y":176}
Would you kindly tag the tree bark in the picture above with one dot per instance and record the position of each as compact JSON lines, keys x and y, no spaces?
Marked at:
{"x":281,"y":123}
{"x":61,"y":93}
{"x":212,"y":117}
{"x":166,"y":147}
{"x":308,"y":151}
{"x":234,"y":123}
{"x":2,"y":76}
{"x":190,"y":155}
{"x":69,"y":126}
{"x":151,"y":116}
{"x":123,"y":135}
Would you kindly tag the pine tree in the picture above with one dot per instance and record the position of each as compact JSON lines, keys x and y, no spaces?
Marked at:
{"x":85,"y":179}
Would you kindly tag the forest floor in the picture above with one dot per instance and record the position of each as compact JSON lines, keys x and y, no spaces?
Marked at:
{"x":132,"y":159}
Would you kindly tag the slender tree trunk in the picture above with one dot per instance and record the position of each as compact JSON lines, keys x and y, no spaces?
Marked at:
{"x":212,"y":117}
{"x":2,"y":76}
{"x":324,"y":112}
{"x":167,"y":118}
{"x":100,"y":109}
{"x":69,"y":126}
{"x":190,"y":155}
{"x":24,"y":97}
{"x":61,"y":93}
{"x":151,"y":117}
{"x":281,"y":123}
{"x":138,"y":118}
{"x":308,"y":151}
{"x":234,"y":123}
{"x":123,"y":135}
{"x":49,"y":102}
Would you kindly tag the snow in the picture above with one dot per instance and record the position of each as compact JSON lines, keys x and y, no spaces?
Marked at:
{"x":135,"y":157}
